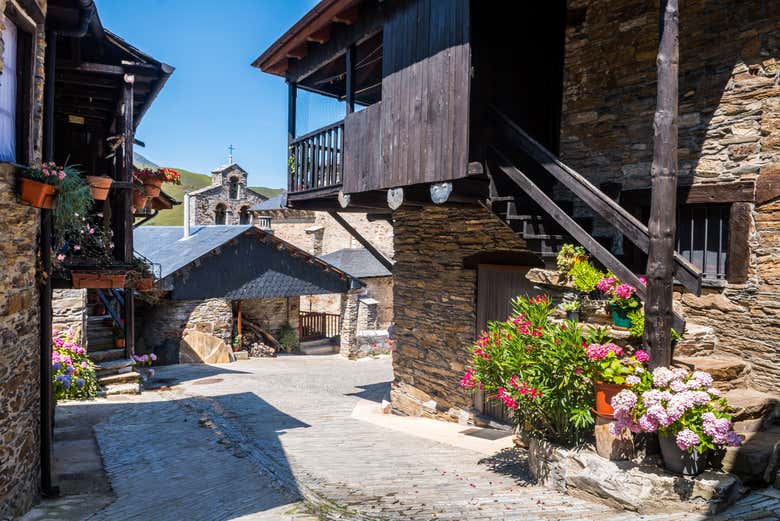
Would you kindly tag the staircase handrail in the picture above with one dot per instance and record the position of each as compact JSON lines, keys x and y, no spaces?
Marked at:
{"x":111,"y":311}
{"x":685,"y":272}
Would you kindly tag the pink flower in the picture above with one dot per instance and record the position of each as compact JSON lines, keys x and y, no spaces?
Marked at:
{"x":641,"y":356}
{"x":61,"y":175}
{"x":468,"y":382}
{"x":60,"y":257}
{"x":91,"y":231}
{"x":643,"y":280}
{"x":625,"y":291}
{"x":605,"y":284}
{"x":687,"y":439}
{"x":596,"y":351}
{"x":77,"y":247}
{"x":46,"y":171}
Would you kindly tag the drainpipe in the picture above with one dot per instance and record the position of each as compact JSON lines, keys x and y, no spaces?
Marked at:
{"x":186,"y":215}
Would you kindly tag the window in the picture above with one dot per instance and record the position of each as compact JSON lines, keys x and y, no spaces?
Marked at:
{"x":243,"y":215}
{"x":8,"y":90}
{"x":702,"y":237}
{"x":233,"y":188}
{"x":219,"y":214}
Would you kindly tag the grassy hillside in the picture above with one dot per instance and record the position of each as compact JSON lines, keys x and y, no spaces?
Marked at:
{"x":191,"y":181}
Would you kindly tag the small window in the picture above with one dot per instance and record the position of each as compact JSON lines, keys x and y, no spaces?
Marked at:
{"x":702,"y":237}
{"x":243,"y":215}
{"x":219,"y":214}
{"x":233,"y":188}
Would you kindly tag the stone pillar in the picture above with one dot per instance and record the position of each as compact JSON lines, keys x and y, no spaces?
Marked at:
{"x":368,"y":313}
{"x":349,"y":322}
{"x":69,"y":310}
{"x":316,"y":233}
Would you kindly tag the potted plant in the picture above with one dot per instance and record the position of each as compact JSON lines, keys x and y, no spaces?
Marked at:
{"x":686,"y":411}
{"x":139,"y":199}
{"x":585,"y":277}
{"x":83,"y":248}
{"x":237,"y":343}
{"x":572,"y":310}
{"x":140,"y":276}
{"x":143,"y":365}
{"x":99,"y":186}
{"x":153,"y":179}
{"x":72,"y":372}
{"x":568,"y":256}
{"x":612,"y":369}
{"x":39,"y":185}
{"x":622,"y":300}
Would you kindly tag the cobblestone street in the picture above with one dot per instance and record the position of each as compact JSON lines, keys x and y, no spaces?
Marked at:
{"x":279,"y":439}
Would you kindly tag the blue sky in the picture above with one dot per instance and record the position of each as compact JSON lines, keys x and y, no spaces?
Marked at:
{"x":214,"y":97}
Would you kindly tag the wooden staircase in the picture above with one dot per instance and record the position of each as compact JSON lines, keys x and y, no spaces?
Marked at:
{"x":113,"y":365}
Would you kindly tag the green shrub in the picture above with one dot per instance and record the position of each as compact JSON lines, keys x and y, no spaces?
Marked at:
{"x":538,"y":369}
{"x":568,"y":256}
{"x":288,"y":338}
{"x":585,"y":276}
{"x":72,"y":372}
{"x":637,"y":318}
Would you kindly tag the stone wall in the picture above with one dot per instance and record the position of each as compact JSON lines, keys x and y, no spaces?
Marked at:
{"x":729,"y":120}
{"x":381,"y":289}
{"x":272,"y":313}
{"x":19,"y":318}
{"x":19,"y":352}
{"x":435,"y":304}
{"x":165,"y":324}
{"x":69,"y":309}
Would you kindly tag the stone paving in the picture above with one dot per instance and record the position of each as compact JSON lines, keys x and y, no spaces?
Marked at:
{"x":274,"y":439}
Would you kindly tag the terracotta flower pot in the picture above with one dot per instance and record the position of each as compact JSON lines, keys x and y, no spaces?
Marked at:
{"x":98,"y":280}
{"x":139,"y":200}
{"x":39,"y":195}
{"x":99,"y":186}
{"x":145,"y":284}
{"x":119,"y":342}
{"x":152,"y":186}
{"x":604,"y":393}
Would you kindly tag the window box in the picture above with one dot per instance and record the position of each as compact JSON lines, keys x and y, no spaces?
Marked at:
{"x":39,"y":195}
{"x":98,"y":279}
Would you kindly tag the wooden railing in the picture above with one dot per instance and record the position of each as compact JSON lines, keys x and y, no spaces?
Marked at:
{"x":315,"y":326}
{"x":316,"y":159}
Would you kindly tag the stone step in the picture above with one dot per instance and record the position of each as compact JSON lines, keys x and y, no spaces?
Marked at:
{"x":728,"y":373}
{"x":757,"y":461}
{"x":749,"y":404}
{"x":122,"y":378}
{"x":698,"y":340}
{"x":127,"y":388}
{"x":123,"y":365}
{"x":104,"y":345}
{"x":107,"y":355}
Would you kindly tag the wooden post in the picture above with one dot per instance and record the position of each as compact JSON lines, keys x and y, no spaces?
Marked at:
{"x":125,"y":206}
{"x":663,"y":206}
{"x":292,"y":101}
{"x":350,"y":79}
{"x":238,"y":324}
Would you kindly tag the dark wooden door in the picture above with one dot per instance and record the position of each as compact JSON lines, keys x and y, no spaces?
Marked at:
{"x":496,"y":287}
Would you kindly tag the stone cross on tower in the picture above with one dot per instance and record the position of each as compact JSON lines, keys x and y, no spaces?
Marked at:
{"x":230,"y":154}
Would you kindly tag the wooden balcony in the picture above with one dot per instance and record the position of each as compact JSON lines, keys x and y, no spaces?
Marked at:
{"x":316,"y":161}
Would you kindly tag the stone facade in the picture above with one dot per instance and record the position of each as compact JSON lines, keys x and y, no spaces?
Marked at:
{"x":729,"y":119}
{"x":20,"y":384}
{"x":270,"y":314}
{"x":168,"y":321}
{"x":206,"y":202}
{"x":435,"y":304}
{"x":20,"y":352}
{"x":69,"y":309}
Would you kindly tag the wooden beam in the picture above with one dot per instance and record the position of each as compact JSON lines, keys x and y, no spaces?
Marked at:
{"x":738,"y":259}
{"x":347,"y":17}
{"x":292,"y":101}
{"x":350,"y":79}
{"x":570,"y":225}
{"x":299,"y":52}
{"x":662,"y":224}
{"x":321,"y":36}
{"x":384,"y":261}
{"x":93,"y":68}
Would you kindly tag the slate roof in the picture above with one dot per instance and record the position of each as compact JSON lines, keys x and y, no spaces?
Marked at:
{"x":358,"y":262}
{"x":278,"y":202}
{"x":235,"y":262}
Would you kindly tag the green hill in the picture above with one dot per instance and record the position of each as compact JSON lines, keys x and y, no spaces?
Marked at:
{"x":192,"y":181}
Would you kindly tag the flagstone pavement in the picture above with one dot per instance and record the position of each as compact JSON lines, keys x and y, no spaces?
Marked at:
{"x":278,"y":439}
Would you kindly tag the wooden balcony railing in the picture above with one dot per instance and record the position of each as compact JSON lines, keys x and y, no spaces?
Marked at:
{"x":315,"y":326}
{"x":317,"y":159}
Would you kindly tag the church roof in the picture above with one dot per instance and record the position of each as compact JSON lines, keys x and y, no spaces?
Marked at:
{"x":278,"y":202}
{"x":229,"y":261}
{"x":229,"y":166}
{"x":358,"y":262}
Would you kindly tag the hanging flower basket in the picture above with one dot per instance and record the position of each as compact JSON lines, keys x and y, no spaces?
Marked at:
{"x":152,"y":186}
{"x":39,"y":195}
{"x":99,"y":186}
{"x":604,"y":393}
{"x":139,"y":200}
{"x":153,"y":179}
{"x":98,"y":279}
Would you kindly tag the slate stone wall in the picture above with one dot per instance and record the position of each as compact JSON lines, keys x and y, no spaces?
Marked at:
{"x":435,"y":304}
{"x":69,"y":309}
{"x":729,"y":130}
{"x":271,"y":314}
{"x":19,"y":318}
{"x":19,"y":352}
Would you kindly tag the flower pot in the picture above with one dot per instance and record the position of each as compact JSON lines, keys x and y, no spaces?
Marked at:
{"x":39,"y":195}
{"x":620,"y":319}
{"x":574,"y":316}
{"x":99,"y":186}
{"x":681,"y":461}
{"x":139,"y":200}
{"x":145,"y":284}
{"x":98,"y":280}
{"x":152,"y":186}
{"x":604,"y":393}
{"x":119,"y":342}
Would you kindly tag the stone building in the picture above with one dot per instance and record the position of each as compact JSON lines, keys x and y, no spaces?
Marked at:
{"x":480,"y":178}
{"x":226,"y":201}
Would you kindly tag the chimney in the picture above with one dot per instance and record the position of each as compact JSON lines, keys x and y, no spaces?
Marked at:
{"x":186,"y":215}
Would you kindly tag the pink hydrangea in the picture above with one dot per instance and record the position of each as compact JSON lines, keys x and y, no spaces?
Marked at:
{"x":596,"y":351}
{"x":625,"y":290}
{"x":648,"y":423}
{"x":662,"y":376}
{"x":719,"y":429}
{"x":704,"y":379}
{"x":643,"y":280}
{"x":623,"y":401}
{"x":632,"y":380}
{"x":641,"y":356}
{"x":655,"y":397}
{"x":605,"y":284}
{"x":687,"y":439}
